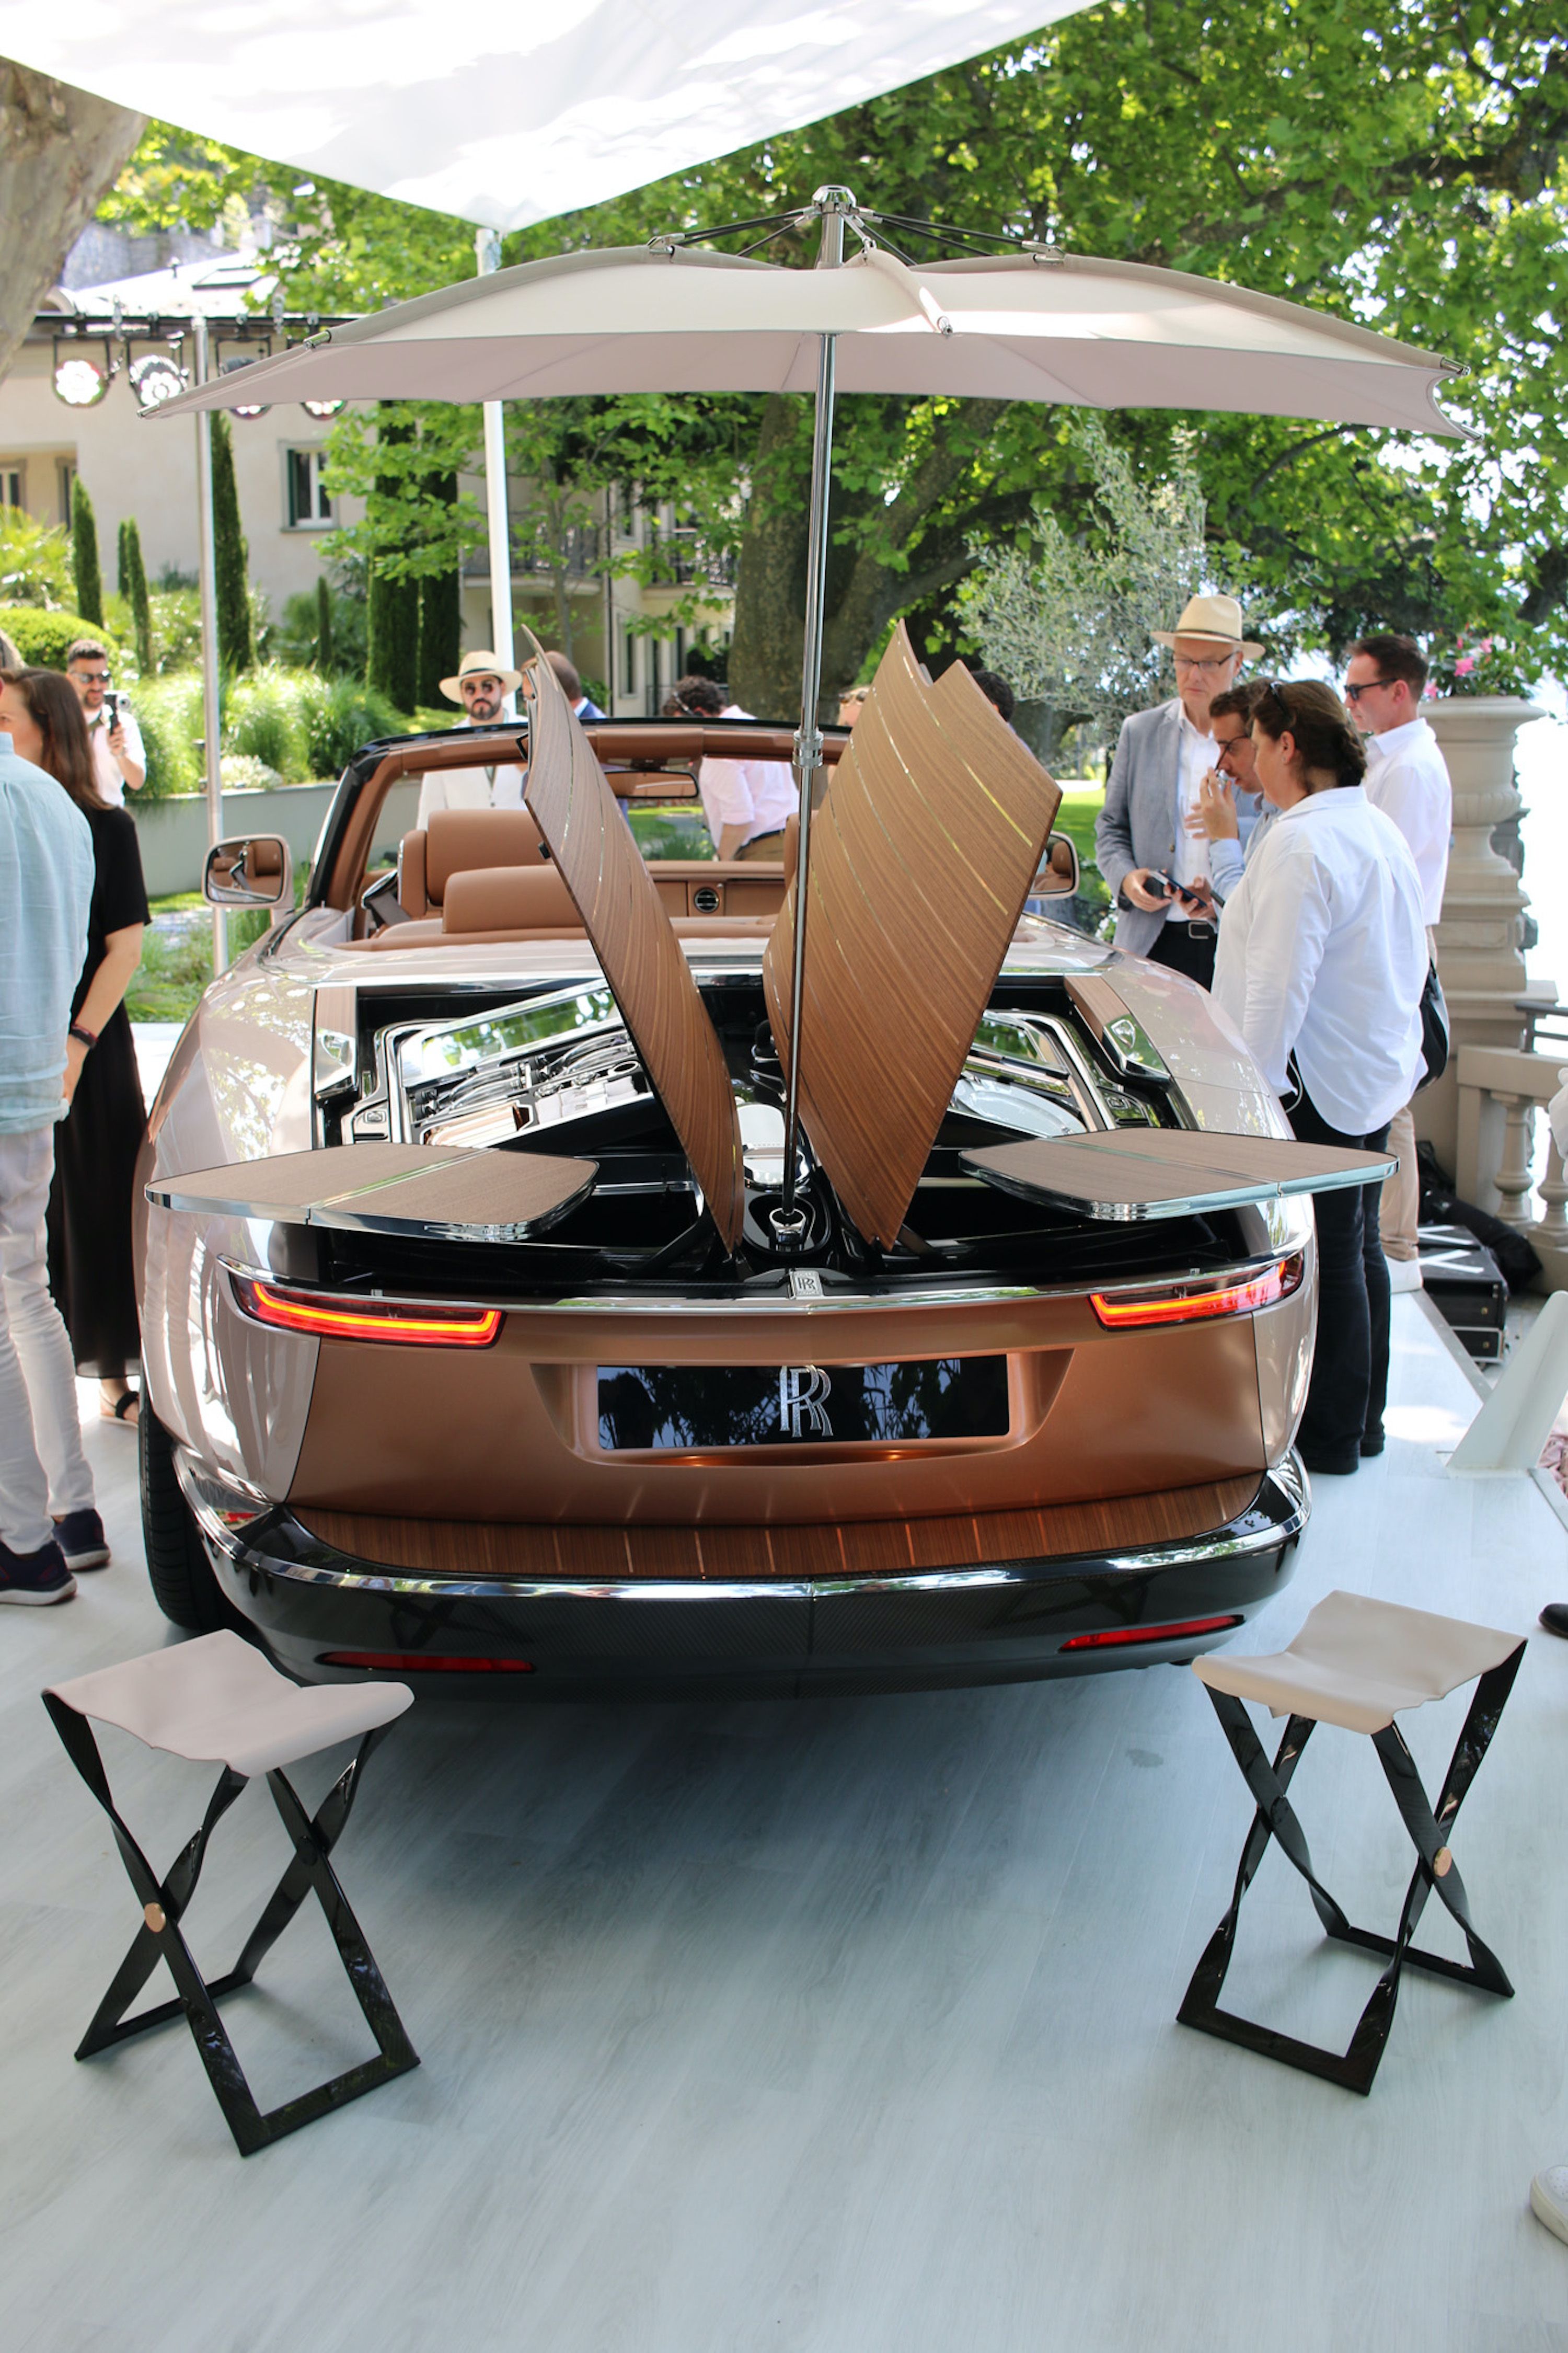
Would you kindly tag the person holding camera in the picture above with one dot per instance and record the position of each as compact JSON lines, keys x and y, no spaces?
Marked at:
{"x":119,"y":758}
{"x":1321,"y":963}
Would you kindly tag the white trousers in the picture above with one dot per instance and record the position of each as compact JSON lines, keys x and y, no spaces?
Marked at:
{"x":43,"y":1470}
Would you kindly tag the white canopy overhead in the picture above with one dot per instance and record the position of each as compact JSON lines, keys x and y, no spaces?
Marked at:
{"x":1059,"y":327}
{"x":503,"y":111}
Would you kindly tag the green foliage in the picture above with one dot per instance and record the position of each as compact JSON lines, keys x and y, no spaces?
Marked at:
{"x":338,"y":715}
{"x":134,"y":588}
{"x":323,"y":626}
{"x":235,"y":641}
{"x":176,"y":623}
{"x":1482,"y":666}
{"x":169,"y":714}
{"x":35,"y":562}
{"x":263,"y":715}
{"x":84,"y":557}
{"x":43,"y":637}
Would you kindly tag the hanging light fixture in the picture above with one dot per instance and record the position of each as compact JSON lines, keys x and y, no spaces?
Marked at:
{"x":156,"y":377}
{"x":321,"y":408}
{"x":229,"y":368}
{"x":80,"y":379}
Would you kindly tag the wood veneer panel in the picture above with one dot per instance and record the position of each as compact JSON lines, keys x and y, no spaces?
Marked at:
{"x":853,"y":1548}
{"x":575,"y":808}
{"x":923,"y":855}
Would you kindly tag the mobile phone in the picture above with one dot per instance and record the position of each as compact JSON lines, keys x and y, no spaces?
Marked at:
{"x":111,"y":703}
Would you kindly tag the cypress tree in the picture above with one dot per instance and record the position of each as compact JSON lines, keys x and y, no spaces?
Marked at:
{"x":120,"y":567}
{"x":84,"y":557}
{"x":391,"y":607}
{"x":134,"y":588}
{"x":235,"y":651}
{"x":440,"y":612}
{"x":323,"y":626}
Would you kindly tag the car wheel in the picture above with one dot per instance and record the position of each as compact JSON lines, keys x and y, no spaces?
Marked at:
{"x":184,"y":1585}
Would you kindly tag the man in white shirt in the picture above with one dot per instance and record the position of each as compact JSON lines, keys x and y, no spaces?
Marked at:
{"x":747,"y":803}
{"x":481,"y":685}
{"x":119,"y":757}
{"x":1156,"y":783}
{"x":1407,"y":778}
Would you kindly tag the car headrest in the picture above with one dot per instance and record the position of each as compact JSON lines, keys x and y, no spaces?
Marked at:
{"x":461,"y":841}
{"x":507,"y":899}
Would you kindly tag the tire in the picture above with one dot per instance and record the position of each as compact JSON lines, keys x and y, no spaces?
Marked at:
{"x":184,"y":1585}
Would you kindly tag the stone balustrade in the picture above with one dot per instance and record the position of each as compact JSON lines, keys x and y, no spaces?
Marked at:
{"x":1498,"y":1091}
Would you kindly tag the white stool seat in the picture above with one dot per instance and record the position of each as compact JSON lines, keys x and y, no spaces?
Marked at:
{"x":1357,"y":1662}
{"x":216,"y":1700}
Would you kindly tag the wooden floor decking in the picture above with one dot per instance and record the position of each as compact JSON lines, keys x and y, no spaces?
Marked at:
{"x":834,"y":2027}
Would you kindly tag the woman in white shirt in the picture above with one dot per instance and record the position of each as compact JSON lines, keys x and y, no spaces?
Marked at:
{"x":1321,"y":962}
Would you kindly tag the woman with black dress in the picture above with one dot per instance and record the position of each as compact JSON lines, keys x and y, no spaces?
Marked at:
{"x":96,"y":1142}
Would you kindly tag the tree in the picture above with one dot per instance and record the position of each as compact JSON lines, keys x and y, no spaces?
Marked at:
{"x":440,"y":612}
{"x":323,"y":626}
{"x":60,"y":151}
{"x":392,"y":652}
{"x":134,"y":588}
{"x":84,"y":555}
{"x":1069,"y":622}
{"x":234,"y":645}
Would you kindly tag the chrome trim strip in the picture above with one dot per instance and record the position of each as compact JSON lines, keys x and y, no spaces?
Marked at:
{"x":1279,"y":1509}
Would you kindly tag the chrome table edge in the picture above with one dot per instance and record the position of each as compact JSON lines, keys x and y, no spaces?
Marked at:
{"x":1276,"y":1515}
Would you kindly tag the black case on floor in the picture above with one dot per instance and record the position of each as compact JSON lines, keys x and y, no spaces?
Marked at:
{"x":1466,"y":1288}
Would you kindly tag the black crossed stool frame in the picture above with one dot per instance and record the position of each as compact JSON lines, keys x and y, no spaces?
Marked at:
{"x":1356,"y":1663}
{"x":218,"y":1701}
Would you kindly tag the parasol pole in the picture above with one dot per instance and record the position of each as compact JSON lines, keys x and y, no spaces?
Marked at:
{"x":212,"y":685}
{"x":831,"y":205}
{"x":486,"y":251}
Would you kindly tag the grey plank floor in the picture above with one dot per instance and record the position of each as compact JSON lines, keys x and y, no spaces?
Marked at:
{"x":830,"y":2029}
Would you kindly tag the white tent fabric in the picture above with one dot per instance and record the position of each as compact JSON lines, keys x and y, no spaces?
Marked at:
{"x":1104,"y":333}
{"x":503,"y":111}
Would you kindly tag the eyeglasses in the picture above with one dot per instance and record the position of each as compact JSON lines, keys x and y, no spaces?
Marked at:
{"x":1209,"y":661}
{"x":1354,"y":693}
{"x":91,"y":677}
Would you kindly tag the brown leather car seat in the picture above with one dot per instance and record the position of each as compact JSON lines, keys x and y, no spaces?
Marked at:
{"x":462,"y":841}
{"x":507,"y":899}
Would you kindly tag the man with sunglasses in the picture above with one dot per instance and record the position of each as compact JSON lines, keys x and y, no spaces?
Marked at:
{"x":1156,"y":781}
{"x":1407,"y":778}
{"x":119,"y":759}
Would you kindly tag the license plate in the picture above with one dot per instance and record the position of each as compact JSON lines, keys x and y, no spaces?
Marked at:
{"x":650,"y":1406}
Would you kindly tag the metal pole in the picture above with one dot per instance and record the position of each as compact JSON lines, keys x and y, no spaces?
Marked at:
{"x":487,"y":250}
{"x":789,"y":1222}
{"x":212,"y":704}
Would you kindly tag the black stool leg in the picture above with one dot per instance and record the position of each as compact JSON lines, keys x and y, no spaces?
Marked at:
{"x":1356,"y":2068}
{"x":158,"y":1939}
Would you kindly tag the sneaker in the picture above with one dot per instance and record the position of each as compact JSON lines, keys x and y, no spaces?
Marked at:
{"x":37,"y":1578}
{"x":1405,"y":1275}
{"x":80,"y":1537}
{"x":1549,"y":2198}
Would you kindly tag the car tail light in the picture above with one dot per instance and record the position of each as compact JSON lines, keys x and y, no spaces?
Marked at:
{"x":1194,"y":1300}
{"x":1113,"y":1637}
{"x":421,"y":1662}
{"x":343,"y":1317}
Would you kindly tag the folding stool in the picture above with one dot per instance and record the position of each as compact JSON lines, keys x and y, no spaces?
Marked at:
{"x":1356,"y":1663}
{"x":218,"y":1700}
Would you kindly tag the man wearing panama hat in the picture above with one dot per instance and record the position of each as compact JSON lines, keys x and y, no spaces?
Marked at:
{"x":1157,"y":778}
{"x":481,"y":685}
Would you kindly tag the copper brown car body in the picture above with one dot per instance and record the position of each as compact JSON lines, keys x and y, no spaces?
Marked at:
{"x":1061,"y":1454}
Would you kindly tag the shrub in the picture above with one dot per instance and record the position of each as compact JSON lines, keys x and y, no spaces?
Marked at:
{"x":242,"y":771}
{"x":236,"y":648}
{"x":169,"y":714}
{"x":176,"y":628}
{"x":262,"y":716}
{"x":339,"y":715}
{"x":35,"y":562}
{"x":84,"y":555}
{"x":43,"y":638}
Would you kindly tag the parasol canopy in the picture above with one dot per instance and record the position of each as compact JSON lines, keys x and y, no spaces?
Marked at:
{"x":1022,"y":326}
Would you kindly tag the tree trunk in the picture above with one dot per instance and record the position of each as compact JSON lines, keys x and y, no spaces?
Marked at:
{"x":60,"y":151}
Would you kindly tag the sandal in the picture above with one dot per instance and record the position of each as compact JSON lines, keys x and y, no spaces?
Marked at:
{"x":124,"y":1409}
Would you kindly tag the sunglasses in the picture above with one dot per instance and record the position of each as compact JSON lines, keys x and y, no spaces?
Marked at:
{"x":1354,"y":693}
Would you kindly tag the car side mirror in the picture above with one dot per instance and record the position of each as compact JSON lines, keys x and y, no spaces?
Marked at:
{"x":1058,"y":874}
{"x":255,"y":871}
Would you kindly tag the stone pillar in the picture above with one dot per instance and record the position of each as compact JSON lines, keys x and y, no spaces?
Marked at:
{"x":1480,"y":956}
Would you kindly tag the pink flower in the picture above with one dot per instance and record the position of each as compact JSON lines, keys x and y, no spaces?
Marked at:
{"x":1464,"y":666}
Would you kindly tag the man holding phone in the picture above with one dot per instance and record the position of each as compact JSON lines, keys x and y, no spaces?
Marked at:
{"x":119,"y":759}
{"x":1156,"y":866}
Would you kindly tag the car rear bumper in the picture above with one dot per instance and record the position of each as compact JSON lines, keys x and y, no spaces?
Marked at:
{"x":1011,"y":1621}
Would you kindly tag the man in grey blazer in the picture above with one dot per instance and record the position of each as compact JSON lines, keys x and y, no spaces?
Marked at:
{"x":1157,"y":778}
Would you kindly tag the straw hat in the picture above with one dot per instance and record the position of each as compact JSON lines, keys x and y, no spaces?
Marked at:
{"x":1217,"y":619}
{"x":480,"y":663}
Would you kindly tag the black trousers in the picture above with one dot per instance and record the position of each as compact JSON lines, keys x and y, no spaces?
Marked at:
{"x":1187,"y":948}
{"x":1350,"y":1369}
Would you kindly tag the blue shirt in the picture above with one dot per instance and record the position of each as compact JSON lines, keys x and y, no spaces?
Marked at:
{"x":46,"y":889}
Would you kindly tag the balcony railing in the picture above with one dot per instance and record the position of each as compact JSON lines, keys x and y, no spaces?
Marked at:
{"x":1501,"y":1092}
